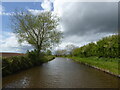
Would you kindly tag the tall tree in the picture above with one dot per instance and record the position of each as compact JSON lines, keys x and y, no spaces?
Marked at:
{"x":38,"y":30}
{"x":48,"y":52}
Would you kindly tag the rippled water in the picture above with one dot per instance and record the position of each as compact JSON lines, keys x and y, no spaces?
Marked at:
{"x":61,"y":73}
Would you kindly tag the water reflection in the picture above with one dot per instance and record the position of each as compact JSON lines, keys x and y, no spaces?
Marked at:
{"x":61,"y":73}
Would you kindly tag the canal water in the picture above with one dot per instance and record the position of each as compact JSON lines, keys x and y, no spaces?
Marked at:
{"x":60,"y":73}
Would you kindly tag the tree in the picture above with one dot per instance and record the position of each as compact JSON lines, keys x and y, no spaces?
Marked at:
{"x":70,"y":48}
{"x":105,"y":47}
{"x":60,"y":52}
{"x":38,"y":30}
{"x":48,"y":52}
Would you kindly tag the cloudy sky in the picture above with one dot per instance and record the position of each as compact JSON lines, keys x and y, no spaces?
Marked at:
{"x":81,"y":22}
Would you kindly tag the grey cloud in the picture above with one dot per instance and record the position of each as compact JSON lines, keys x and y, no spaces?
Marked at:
{"x":82,"y":18}
{"x":84,"y":39}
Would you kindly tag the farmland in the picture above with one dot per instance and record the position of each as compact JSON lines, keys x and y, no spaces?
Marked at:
{"x":3,"y":54}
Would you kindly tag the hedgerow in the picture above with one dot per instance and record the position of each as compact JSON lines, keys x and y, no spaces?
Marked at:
{"x":16,"y":63}
{"x":106,"y":47}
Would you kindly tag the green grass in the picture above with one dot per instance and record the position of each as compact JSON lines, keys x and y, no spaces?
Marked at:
{"x":109,"y":64}
{"x":49,"y":58}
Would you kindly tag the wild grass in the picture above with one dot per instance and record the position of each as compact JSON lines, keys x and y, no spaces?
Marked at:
{"x":108,"y":64}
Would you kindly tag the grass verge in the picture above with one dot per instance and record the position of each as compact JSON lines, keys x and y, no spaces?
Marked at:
{"x":110,"y":65}
{"x":48,"y":58}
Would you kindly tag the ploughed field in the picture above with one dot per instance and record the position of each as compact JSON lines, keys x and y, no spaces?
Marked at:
{"x":3,"y":54}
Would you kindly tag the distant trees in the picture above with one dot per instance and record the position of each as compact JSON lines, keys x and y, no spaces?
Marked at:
{"x":66,"y":51}
{"x":60,"y":52}
{"x":69,"y":49}
{"x":38,"y":30}
{"x":106,"y":47}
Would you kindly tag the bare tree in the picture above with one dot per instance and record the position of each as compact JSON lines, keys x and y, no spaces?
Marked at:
{"x":60,"y":52}
{"x":70,"y":48}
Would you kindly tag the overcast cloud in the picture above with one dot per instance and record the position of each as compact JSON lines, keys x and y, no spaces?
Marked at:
{"x":87,"y":22}
{"x":90,"y":17}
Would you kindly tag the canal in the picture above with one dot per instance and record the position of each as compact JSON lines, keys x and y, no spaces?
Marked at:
{"x":60,"y":73}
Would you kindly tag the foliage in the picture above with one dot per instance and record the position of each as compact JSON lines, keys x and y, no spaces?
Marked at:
{"x":106,"y":47}
{"x":60,"y":52}
{"x":48,"y":52}
{"x":103,"y":54}
{"x":38,"y":30}
{"x":67,"y":51}
{"x":17,"y":63}
{"x":13,"y":64}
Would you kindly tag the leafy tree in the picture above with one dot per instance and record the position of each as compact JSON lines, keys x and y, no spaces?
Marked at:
{"x":76,"y":51}
{"x":106,"y":47}
{"x":49,"y":52}
{"x":38,"y":30}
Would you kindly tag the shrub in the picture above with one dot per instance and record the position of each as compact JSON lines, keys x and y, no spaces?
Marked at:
{"x":106,"y":47}
{"x":17,"y":63}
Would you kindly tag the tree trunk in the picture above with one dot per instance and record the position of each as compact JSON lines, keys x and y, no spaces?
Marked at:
{"x":38,"y":51}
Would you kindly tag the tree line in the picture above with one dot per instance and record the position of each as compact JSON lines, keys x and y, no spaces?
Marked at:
{"x":105,"y":47}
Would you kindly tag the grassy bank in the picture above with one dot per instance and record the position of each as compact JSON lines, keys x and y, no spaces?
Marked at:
{"x":109,"y":65}
{"x":17,"y":63}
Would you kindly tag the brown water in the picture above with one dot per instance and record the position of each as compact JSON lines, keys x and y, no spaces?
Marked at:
{"x":61,"y":73}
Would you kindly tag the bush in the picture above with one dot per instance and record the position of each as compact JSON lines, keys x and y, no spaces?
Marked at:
{"x":106,"y":47}
{"x":34,"y":58}
{"x":17,"y":63}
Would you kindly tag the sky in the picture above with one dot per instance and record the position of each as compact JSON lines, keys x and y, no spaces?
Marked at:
{"x":80,"y":22}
